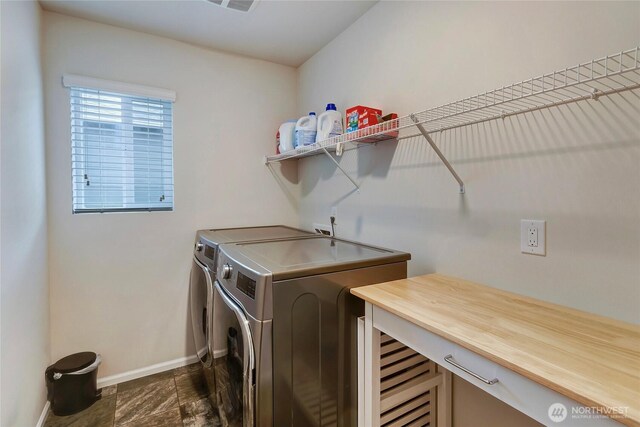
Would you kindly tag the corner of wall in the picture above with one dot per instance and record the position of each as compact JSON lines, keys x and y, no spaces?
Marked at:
{"x":23,"y":236}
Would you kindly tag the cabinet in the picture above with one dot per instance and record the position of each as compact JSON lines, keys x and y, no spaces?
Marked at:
{"x":549,"y":362}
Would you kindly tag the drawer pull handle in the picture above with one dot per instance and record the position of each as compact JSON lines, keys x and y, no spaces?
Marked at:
{"x":449,"y":359}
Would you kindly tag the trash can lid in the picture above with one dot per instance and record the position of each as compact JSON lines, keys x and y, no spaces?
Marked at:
{"x":74,"y":362}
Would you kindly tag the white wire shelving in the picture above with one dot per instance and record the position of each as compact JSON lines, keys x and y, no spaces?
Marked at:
{"x":586,"y":81}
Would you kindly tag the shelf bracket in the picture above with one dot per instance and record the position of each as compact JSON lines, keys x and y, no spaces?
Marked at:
{"x":340,"y":167}
{"x":433,"y":145}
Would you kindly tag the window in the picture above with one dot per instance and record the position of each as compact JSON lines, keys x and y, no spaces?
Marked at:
{"x":122,"y":151}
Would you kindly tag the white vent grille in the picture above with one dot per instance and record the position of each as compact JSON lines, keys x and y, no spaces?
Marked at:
{"x":239,"y":5}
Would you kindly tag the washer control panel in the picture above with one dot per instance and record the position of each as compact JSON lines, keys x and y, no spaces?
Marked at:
{"x":209,"y":252}
{"x":250,"y":289}
{"x":246,"y":285}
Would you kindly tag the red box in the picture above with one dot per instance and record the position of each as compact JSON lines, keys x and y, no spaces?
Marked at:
{"x":359,"y":117}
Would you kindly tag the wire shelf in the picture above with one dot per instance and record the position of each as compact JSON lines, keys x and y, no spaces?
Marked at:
{"x":372,"y":134}
{"x":590,"y":80}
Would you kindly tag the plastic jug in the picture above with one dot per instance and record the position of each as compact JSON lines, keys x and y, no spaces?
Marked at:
{"x":287,"y":135}
{"x":329,"y":123}
{"x":306,"y":129}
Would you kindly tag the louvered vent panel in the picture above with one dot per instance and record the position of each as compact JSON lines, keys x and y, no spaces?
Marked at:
{"x":407,"y":386}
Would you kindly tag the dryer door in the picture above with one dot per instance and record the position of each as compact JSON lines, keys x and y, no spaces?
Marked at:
{"x":201,"y":301}
{"x":234,"y":363}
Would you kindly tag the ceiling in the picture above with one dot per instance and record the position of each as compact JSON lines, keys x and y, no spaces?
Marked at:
{"x":285,"y":32}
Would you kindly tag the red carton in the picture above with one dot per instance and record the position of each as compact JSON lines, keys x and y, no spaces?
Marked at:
{"x":359,"y":117}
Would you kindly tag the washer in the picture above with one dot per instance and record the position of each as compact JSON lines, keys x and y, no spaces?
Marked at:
{"x":289,"y":345}
{"x":203,"y":275}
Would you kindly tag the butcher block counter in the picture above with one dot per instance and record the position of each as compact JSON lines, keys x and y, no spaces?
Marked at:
{"x":589,"y":359}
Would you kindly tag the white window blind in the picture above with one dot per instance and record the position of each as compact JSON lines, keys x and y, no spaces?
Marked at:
{"x":122,"y":152}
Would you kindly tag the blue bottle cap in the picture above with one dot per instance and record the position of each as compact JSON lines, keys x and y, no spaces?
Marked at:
{"x":312,"y":113}
{"x":331,"y":107}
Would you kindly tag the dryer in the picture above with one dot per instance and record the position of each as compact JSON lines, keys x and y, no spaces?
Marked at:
{"x":290,"y":340}
{"x":203,"y":271}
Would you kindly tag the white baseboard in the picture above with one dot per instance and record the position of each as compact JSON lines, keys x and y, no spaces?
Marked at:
{"x":43,"y":415}
{"x":219,"y":353}
{"x":147,"y":370}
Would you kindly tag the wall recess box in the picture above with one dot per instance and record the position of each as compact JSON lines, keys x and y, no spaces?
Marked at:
{"x":324,"y":229}
{"x":533,"y":237}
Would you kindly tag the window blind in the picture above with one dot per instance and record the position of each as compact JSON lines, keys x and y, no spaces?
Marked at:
{"x":122,"y":152}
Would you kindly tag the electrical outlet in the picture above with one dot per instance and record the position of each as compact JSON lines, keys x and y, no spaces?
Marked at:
{"x":532,"y":234}
{"x":533,"y":237}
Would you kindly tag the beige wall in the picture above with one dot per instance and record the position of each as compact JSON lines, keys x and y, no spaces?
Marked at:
{"x":24,"y":292}
{"x":576,"y":167}
{"x":119,"y":282}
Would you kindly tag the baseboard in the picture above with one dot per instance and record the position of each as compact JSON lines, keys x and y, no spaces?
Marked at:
{"x":219,"y":353}
{"x":43,"y":415}
{"x":148,"y":370}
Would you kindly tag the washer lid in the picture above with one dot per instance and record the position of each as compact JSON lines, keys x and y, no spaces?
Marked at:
{"x":302,"y":257}
{"x":244,"y":234}
{"x":74,"y":362}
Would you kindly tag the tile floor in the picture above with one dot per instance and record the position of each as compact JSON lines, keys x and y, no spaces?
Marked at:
{"x":176,"y":398}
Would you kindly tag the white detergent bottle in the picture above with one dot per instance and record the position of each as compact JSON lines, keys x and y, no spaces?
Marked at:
{"x":306,"y":129}
{"x":287,"y":133}
{"x":329,"y":123}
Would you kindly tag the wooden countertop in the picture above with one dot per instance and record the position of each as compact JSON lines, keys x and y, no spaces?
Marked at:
{"x":591,"y":359}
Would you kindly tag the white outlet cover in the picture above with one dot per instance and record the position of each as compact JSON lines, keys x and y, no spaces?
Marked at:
{"x":541,"y":227}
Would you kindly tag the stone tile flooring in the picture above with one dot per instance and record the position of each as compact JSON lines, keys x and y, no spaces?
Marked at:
{"x":175,"y":398}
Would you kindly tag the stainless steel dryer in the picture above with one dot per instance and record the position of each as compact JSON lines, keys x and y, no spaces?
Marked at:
{"x":203,"y":275}
{"x":291,"y":335}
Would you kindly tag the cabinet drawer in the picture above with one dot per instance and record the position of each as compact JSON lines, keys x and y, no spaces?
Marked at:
{"x":521,"y":393}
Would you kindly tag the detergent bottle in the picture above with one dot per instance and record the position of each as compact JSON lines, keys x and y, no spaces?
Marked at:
{"x":306,"y":129}
{"x":329,"y":123}
{"x":287,"y":136}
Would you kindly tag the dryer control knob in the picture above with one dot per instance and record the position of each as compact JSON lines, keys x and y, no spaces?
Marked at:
{"x":226,"y":271}
{"x":199,"y":246}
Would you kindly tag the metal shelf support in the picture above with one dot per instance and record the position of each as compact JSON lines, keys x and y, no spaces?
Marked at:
{"x":433,"y":145}
{"x":342,"y":170}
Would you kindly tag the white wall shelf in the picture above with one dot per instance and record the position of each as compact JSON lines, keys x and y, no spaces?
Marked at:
{"x":586,"y":81}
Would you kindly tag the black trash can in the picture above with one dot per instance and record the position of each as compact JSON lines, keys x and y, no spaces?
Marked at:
{"x":71,"y":383}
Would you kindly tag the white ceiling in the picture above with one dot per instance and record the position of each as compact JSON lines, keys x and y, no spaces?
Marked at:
{"x":285,"y":32}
